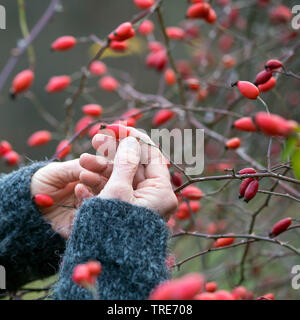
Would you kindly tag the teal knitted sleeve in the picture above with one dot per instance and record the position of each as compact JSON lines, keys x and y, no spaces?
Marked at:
{"x":29,"y":248}
{"x":129,"y":241}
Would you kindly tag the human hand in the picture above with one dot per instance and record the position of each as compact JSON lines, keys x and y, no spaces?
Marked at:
{"x":147,"y":185}
{"x":60,"y":180}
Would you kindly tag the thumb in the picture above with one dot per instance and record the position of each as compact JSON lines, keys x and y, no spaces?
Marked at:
{"x":126,"y":162}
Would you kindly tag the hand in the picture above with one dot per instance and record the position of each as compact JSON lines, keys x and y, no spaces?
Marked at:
{"x":60,"y":180}
{"x":143,"y":185}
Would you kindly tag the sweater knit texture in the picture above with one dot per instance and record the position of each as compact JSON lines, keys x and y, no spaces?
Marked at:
{"x":129,"y":241}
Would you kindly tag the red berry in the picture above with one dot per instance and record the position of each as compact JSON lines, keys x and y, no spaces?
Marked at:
{"x":269,"y":296}
{"x":63,"y":149}
{"x":233,"y":143}
{"x":93,"y":110}
{"x":281,"y":14}
{"x":240,"y":293}
{"x":81,"y":275}
{"x":108,"y":83}
{"x":268,"y":85}
{"x":5,"y":147}
{"x":94,"y":268}
{"x":97,"y":68}
{"x":248,"y":89}
{"x":170,"y":77}
{"x":22,"y":82}
{"x":123,"y":32}
{"x":175,"y":33}
{"x":223,"y":242}
{"x":211,"y":287}
{"x":273,"y":125}
{"x":146,"y":27}
{"x":63,"y":43}
{"x":251,"y":190}
{"x":43,"y":200}
{"x":184,"y":210}
{"x":262,"y":77}
{"x":157,"y":59}
{"x":116,"y":130}
{"x":198,"y":10}
{"x":11,"y":158}
{"x":176,"y":179}
{"x":58,"y":83}
{"x":193,"y":84}
{"x":39,"y":138}
{"x":192,"y":193}
{"x":119,"y":45}
{"x":211,"y":17}
{"x":281,"y":226}
{"x":245,"y":124}
{"x":273,"y":64}
{"x":82,"y":125}
{"x":162,"y":116}
{"x":247,"y":171}
{"x":243,"y":186}
{"x":144,"y":4}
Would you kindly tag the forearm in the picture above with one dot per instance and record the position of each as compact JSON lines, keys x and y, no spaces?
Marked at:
{"x":29,"y":248}
{"x":129,"y":241}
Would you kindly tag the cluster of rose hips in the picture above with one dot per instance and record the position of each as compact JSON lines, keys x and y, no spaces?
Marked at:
{"x":194,"y":287}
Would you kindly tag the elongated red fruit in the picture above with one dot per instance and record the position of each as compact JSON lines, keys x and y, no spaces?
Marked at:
{"x":247,"y":171}
{"x":5,"y":147}
{"x":211,"y":286}
{"x":192,"y":193}
{"x":39,"y":138}
{"x":93,"y":110}
{"x":144,"y":4}
{"x":63,"y":149}
{"x":162,"y":116}
{"x":123,"y":32}
{"x":198,"y":10}
{"x":63,"y":43}
{"x":119,"y":46}
{"x":108,"y":83}
{"x":22,"y":82}
{"x":262,"y":77}
{"x":273,"y":64}
{"x":211,"y":17}
{"x":267,"y":85}
{"x":223,"y":242}
{"x":280,"y":226}
{"x":251,"y":190}
{"x":176,"y":179}
{"x":82,"y":125}
{"x":11,"y":158}
{"x":98,"y":68}
{"x":146,"y":27}
{"x":116,"y":130}
{"x":245,"y":124}
{"x":175,"y":33}
{"x":233,"y":143}
{"x":243,"y":186}
{"x":248,"y":89}
{"x":43,"y":200}
{"x":170,"y":77}
{"x":58,"y":83}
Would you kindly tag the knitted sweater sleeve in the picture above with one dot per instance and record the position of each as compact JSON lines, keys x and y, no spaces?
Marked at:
{"x":129,"y":241}
{"x":29,"y":248}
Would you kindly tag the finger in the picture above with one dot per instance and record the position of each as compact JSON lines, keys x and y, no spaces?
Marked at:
{"x":105,"y":145}
{"x":96,"y":164}
{"x":82,"y":192}
{"x":126,"y":164}
{"x":93,"y":180}
{"x":155,"y":162}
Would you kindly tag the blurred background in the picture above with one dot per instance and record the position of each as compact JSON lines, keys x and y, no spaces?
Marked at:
{"x":19,"y":118}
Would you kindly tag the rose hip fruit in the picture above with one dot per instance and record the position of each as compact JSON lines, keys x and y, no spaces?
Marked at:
{"x":280,"y":227}
{"x":43,"y":200}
